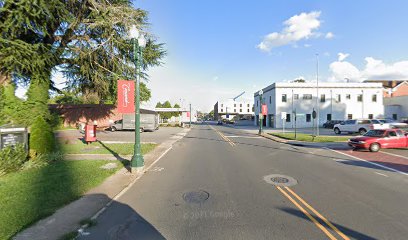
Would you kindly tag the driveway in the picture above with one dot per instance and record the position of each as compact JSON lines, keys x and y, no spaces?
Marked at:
{"x":158,"y":136}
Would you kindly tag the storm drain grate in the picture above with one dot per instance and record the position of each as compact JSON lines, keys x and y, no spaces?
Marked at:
{"x":280,"y":180}
{"x":196,"y":196}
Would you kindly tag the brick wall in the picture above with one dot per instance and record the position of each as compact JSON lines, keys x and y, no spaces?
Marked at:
{"x":75,"y":113}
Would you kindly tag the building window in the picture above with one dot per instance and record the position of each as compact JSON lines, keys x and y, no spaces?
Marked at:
{"x":349,"y":116}
{"x":248,"y":105}
{"x":235,"y":105}
{"x":307,"y":96}
{"x":283,"y":97}
{"x":329,"y":117}
{"x":240,"y":110}
{"x":240,"y":105}
{"x":248,"y":109}
{"x":287,"y":117}
{"x":235,"y":110}
{"x":222,"y":110}
{"x":370,"y":116}
{"x":338,"y":97}
{"x":308,"y":117}
{"x":253,"y":109}
{"x":359,"y":97}
{"x":296,"y":96}
{"x":270,"y":99}
{"x":322,"y":98}
{"x":374,"y":98}
{"x":348,"y":96}
{"x":222,"y":105}
{"x":395,"y":116}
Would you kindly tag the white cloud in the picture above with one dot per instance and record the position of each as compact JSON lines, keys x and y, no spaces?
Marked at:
{"x":307,"y":45}
{"x":298,"y":27}
{"x":342,"y":56}
{"x":374,"y":69}
{"x":329,"y":35}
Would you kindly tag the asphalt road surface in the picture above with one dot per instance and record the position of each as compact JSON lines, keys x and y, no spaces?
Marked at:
{"x":216,"y":183}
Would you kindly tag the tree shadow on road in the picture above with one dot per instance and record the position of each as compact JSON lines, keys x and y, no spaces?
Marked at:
{"x":120,"y":221}
{"x":347,"y":231}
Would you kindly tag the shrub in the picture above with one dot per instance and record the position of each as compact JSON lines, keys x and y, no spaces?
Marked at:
{"x":12,"y":158}
{"x":42,"y":139}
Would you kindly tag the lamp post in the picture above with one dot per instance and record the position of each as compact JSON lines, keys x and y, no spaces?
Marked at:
{"x":139,"y":42}
{"x":260,"y":112}
{"x":317,"y":95}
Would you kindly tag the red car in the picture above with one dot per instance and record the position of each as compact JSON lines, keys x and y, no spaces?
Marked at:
{"x":374,"y":140}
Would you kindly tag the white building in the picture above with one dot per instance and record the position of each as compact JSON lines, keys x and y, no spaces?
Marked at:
{"x":396,"y":108}
{"x":241,"y":108}
{"x":337,"y":101}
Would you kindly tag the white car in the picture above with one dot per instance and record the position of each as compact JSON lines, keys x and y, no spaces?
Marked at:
{"x":360,"y":126}
{"x":393,"y":123}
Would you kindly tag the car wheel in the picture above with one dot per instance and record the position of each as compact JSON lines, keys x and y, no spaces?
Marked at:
{"x":362,"y":131}
{"x":113,"y":129}
{"x":374,"y":147}
{"x":337,"y":131}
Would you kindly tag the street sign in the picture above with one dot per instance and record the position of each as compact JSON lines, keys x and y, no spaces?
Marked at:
{"x":264,"y":109}
{"x":283,"y":116}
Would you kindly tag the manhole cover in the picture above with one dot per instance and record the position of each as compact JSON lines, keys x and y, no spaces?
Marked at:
{"x":280,"y":180}
{"x":196,"y":196}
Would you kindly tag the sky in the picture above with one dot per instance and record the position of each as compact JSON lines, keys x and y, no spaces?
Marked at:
{"x":220,"y":48}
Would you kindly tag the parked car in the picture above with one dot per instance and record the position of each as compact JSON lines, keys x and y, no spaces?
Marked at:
{"x":360,"y":126}
{"x":331,"y":123}
{"x":219,"y":122}
{"x":393,"y":123}
{"x":374,"y":140}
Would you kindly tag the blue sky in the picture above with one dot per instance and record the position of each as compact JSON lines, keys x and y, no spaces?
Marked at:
{"x":214,"y":46}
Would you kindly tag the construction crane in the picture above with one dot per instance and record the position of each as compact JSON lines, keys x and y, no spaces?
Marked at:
{"x":238,"y":95}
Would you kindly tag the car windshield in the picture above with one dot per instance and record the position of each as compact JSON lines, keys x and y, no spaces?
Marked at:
{"x":375,"y":133}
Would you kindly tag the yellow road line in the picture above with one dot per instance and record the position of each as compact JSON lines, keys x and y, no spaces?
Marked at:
{"x":223,"y":136}
{"x":307,"y":214}
{"x":318,"y":214}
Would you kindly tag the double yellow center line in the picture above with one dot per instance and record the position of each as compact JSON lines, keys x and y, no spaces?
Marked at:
{"x":223,"y":136}
{"x":313,"y":219}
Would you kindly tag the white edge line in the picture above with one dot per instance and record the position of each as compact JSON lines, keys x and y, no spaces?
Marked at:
{"x":376,"y":164}
{"x":81,"y":229}
{"x":393,"y":154}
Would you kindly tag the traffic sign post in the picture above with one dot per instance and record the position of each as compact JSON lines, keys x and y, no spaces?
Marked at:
{"x":283,"y":117}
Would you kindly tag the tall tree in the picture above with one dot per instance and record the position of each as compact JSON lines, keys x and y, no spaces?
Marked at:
{"x":86,"y":39}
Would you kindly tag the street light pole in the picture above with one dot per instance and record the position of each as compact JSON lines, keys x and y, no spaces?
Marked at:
{"x":317,"y":97}
{"x":139,"y":42}
{"x":260,"y":112}
{"x":190,"y":115}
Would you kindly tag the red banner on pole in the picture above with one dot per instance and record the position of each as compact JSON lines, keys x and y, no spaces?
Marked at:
{"x":188,"y":114}
{"x":264,"y":109}
{"x":126,"y":96}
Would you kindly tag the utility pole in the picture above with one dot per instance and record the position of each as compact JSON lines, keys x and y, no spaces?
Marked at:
{"x":190,"y":115}
{"x":260,"y":111}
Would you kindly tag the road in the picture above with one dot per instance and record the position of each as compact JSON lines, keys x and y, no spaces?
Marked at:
{"x":335,"y":197}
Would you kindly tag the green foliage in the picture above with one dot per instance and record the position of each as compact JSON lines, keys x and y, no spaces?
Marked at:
{"x":42,"y":139}
{"x":167,"y":104}
{"x":12,"y":158}
{"x":87,"y":40}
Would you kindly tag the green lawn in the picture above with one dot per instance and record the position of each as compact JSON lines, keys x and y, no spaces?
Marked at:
{"x":32,"y":194}
{"x":309,"y":137}
{"x":100,"y":148}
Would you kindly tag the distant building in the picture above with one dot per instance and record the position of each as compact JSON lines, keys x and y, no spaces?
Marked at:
{"x":392,"y":88}
{"x":336,"y":101}
{"x":231,"y":108}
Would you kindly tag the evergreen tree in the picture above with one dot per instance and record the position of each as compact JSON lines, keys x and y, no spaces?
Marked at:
{"x":87,"y":39}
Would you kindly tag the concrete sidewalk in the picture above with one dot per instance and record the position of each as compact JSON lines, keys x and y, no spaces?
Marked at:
{"x":67,"y":219}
